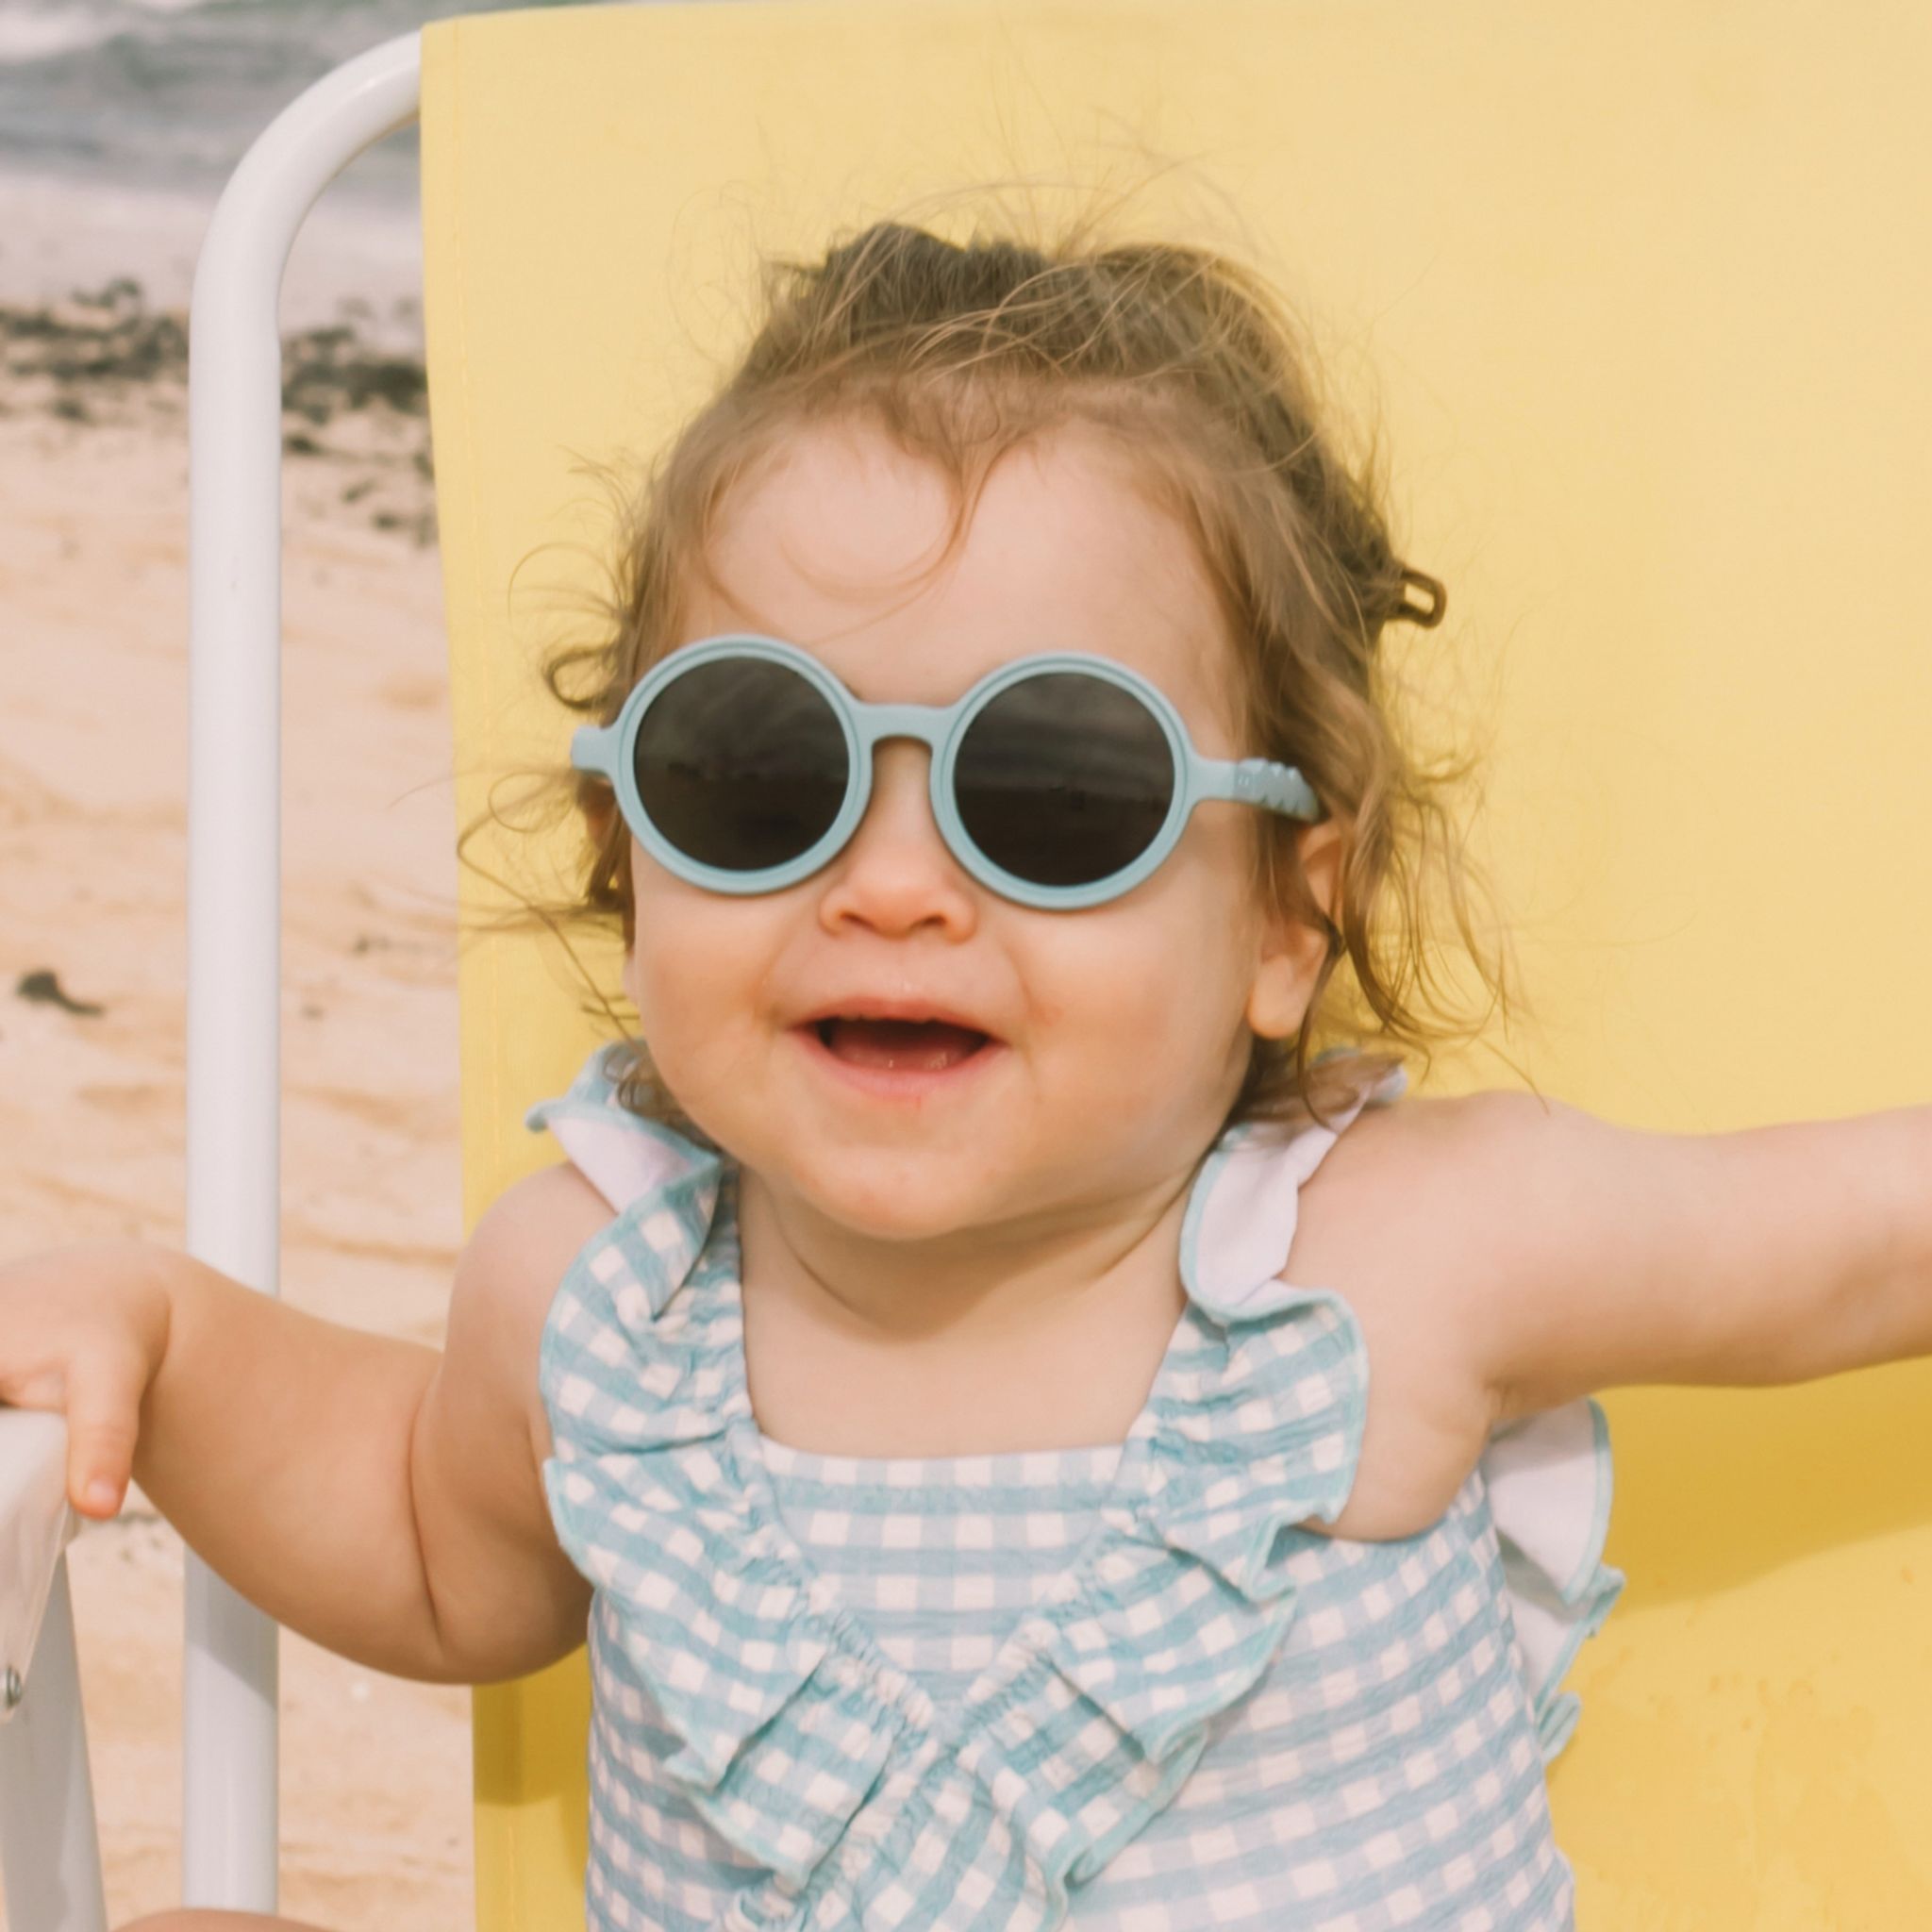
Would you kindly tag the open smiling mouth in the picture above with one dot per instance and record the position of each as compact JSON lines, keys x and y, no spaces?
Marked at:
{"x":910,"y":1046}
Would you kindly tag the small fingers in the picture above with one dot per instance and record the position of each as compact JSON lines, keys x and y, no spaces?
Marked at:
{"x":103,"y":1423}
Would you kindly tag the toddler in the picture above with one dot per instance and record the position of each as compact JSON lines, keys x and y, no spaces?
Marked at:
{"x":1029,"y":1443}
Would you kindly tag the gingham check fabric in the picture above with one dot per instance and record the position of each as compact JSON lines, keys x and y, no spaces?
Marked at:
{"x":1185,"y":1713}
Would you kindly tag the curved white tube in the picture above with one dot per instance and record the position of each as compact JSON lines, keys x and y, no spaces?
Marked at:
{"x":234,"y":873}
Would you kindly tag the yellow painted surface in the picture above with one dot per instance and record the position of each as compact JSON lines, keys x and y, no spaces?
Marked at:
{"x":1640,"y":298}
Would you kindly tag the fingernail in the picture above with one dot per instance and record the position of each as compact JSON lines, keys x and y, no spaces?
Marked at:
{"x":102,"y":1495}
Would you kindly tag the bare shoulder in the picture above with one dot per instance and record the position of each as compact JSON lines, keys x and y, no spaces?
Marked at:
{"x":508,"y":1598}
{"x":1399,"y":1220}
{"x":508,"y":1276}
{"x":1582,"y":1253}
{"x":1425,"y":1165}
{"x":543,"y":1219}
{"x":1434,"y":1193}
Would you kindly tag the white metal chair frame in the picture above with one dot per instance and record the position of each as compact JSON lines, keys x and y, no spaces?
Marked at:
{"x":49,"y":1854}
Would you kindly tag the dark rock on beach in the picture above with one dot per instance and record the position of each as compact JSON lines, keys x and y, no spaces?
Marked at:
{"x":42,"y":988}
{"x":103,"y":358}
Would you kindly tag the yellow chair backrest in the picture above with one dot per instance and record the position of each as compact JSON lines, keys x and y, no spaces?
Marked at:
{"x":1640,"y":297}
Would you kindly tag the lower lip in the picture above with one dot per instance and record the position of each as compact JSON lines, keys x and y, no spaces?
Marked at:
{"x":899,"y":1083}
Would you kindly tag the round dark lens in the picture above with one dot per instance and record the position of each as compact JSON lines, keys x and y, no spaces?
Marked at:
{"x":740,"y":763}
{"x":1064,"y":779}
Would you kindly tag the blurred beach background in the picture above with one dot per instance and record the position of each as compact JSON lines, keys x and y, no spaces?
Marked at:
{"x":121,"y":119}
{"x":119,"y":122}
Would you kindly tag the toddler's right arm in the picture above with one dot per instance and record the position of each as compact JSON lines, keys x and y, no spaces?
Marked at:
{"x":382,"y":1499}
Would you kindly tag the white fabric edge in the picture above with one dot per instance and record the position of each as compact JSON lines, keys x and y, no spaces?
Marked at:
{"x":35,"y":1525}
{"x":1549,"y":1482}
{"x":621,"y":1161}
{"x":1238,"y":1232}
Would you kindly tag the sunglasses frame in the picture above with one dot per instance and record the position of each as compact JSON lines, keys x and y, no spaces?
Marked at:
{"x":607,"y":751}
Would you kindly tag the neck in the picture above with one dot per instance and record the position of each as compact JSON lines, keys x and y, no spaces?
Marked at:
{"x":1015,"y":1338}
{"x":974,"y":1286}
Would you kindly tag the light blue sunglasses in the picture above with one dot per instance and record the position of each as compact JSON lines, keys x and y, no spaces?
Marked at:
{"x":1060,"y":780}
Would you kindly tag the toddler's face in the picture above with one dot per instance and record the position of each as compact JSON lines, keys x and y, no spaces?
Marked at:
{"x":1122,"y":1032}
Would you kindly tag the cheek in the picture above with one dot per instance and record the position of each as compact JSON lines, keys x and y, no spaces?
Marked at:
{"x":1196,"y":968}
{"x":695,"y":981}
{"x":689,"y":955}
{"x":1137,"y":998}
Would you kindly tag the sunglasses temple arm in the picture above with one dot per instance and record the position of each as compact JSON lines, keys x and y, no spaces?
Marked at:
{"x":592,"y":749}
{"x":1258,"y":781}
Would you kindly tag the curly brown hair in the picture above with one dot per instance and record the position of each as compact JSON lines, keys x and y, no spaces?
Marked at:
{"x":1194,"y":366}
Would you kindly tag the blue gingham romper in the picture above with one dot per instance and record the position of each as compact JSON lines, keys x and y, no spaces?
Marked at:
{"x":1109,"y":1687}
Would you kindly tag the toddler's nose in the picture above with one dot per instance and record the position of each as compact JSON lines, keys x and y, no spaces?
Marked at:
{"x":897,"y":873}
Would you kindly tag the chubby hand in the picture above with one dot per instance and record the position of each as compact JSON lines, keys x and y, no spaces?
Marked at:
{"x":83,"y":1331}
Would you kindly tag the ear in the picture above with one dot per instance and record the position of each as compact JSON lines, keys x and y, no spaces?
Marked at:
{"x":1292,"y":954}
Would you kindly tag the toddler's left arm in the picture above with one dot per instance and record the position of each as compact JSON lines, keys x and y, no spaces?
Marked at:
{"x":1601,"y":1254}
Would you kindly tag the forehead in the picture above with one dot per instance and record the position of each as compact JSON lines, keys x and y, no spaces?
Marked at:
{"x":831,"y":544}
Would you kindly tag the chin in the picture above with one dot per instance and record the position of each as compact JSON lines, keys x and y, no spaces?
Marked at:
{"x":898,"y":1198}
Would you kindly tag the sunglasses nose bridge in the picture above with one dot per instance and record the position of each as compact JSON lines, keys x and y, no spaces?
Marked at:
{"x":880,"y":724}
{"x":926,"y":723}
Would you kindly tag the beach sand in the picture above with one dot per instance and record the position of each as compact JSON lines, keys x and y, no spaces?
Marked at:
{"x":93,"y":605}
